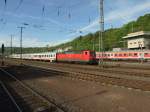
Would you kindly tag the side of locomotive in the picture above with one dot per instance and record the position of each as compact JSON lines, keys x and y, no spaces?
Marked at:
{"x":85,"y":56}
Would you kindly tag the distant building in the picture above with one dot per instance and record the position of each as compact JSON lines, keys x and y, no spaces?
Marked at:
{"x":118,"y":49}
{"x":64,"y":49}
{"x":138,"y":40}
{"x":68,"y":48}
{"x":59,"y":50}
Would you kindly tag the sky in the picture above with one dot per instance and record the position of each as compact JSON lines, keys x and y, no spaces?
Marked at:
{"x":51,"y":22}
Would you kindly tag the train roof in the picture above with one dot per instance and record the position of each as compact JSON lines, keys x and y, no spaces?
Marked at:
{"x":126,"y":51}
{"x":42,"y":53}
{"x":74,"y":52}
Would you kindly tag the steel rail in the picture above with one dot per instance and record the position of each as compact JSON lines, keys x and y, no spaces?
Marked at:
{"x":33,"y":92}
{"x":11,"y":97}
{"x":88,"y":75}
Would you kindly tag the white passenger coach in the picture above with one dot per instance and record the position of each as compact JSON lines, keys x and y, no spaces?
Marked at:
{"x":45,"y":56}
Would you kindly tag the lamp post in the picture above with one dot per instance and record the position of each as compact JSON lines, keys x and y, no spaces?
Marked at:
{"x":21,"y":31}
{"x":11,"y":44}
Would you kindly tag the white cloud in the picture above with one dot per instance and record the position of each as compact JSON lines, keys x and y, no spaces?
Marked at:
{"x":92,"y":25}
{"x":27,"y":42}
{"x":126,"y":15}
{"x":34,"y":18}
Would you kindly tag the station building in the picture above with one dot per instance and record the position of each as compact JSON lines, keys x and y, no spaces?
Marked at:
{"x":138,"y":40}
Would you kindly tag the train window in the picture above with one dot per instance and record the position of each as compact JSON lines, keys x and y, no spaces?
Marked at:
{"x":135,"y":54}
{"x":108,"y":55}
{"x":111,"y":54}
{"x":145,"y":53}
{"x":134,"y":42}
{"x":130,"y":54}
{"x":125,"y":54}
{"x":99,"y":55}
{"x":115,"y":54}
{"x":120,"y":54}
{"x":86,"y":53}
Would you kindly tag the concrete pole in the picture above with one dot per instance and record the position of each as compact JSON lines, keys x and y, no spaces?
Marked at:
{"x":101,"y":32}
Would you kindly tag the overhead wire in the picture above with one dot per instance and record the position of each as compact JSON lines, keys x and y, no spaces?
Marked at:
{"x":43,"y":10}
{"x":58,"y":11}
{"x":5,"y":3}
{"x":18,"y":6}
{"x":4,"y":21}
{"x":122,"y":17}
{"x":69,"y":11}
{"x":43,"y":14}
{"x":89,"y":20}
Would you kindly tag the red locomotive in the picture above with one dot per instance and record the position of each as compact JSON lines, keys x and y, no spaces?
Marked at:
{"x":85,"y":56}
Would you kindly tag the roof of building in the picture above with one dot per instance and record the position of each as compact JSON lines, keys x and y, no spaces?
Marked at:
{"x":136,"y":34}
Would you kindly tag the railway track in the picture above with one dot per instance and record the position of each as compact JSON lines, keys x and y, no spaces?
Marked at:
{"x":26,"y":98}
{"x":7,"y":102}
{"x":118,"y":70}
{"x":130,"y":72}
{"x":96,"y":71}
{"x":126,"y":78}
{"x":87,"y":68}
{"x":128,"y":82}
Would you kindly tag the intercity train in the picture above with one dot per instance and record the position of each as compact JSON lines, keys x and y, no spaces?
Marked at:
{"x":86,"y":56}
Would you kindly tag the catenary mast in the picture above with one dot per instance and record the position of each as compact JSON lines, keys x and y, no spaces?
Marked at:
{"x":101,"y":32}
